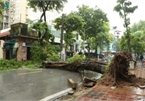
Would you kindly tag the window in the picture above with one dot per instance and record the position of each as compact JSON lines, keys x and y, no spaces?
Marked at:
{"x":77,"y":36}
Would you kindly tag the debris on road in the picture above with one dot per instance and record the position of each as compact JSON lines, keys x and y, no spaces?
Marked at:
{"x":88,"y":64}
{"x":72,"y":84}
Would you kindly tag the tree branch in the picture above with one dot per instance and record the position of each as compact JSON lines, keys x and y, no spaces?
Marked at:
{"x":44,"y":10}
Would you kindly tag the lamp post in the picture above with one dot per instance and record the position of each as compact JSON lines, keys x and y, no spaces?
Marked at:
{"x":85,"y":32}
{"x":85,"y":35}
{"x":61,"y":39}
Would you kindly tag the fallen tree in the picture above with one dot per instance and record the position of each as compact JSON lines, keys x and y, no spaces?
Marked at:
{"x":78,"y":65}
{"x":118,"y":72}
{"x":119,"y":67}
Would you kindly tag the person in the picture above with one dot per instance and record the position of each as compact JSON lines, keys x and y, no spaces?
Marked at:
{"x":141,"y":59}
{"x":134,"y":59}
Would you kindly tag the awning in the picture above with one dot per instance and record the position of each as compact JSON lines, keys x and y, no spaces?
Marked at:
{"x":8,"y":45}
{"x":3,"y":34}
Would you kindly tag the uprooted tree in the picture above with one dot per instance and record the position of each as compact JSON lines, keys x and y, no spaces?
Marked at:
{"x":119,"y":66}
{"x":118,"y":73}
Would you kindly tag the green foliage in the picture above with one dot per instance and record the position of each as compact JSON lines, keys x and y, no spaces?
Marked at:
{"x":96,"y":20}
{"x":137,"y":38}
{"x":40,"y":53}
{"x":76,"y":57}
{"x":72,"y":23}
{"x":52,"y":52}
{"x":123,"y":45}
{"x":8,"y":64}
{"x":140,"y":26}
{"x":14,"y":64}
{"x":137,"y":43}
{"x":46,"y":5}
{"x":42,"y":29}
{"x":1,"y":10}
{"x":124,"y":8}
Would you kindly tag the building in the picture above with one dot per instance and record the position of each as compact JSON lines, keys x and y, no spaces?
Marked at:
{"x":17,"y":42}
{"x":1,"y":49}
{"x":18,"y":12}
{"x":117,"y":34}
{"x":6,"y":16}
{"x":14,"y":11}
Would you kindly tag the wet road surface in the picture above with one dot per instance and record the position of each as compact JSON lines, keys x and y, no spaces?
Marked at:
{"x":33,"y":85}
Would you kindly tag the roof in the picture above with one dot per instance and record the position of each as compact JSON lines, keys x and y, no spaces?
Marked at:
{"x":19,"y":23}
{"x":3,"y":34}
{"x":117,"y":31}
{"x":30,"y":37}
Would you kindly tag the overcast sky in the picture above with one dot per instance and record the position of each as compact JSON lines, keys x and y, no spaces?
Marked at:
{"x":107,"y":6}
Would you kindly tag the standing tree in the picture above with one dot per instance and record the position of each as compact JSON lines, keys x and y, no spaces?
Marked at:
{"x":140,"y":26}
{"x":46,"y":5}
{"x":138,"y":32}
{"x":124,"y":8}
{"x":97,"y":22}
{"x":42,"y":27}
{"x":72,"y":22}
{"x":137,"y":37}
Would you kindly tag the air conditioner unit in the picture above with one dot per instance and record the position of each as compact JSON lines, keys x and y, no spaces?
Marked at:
{"x":23,"y":44}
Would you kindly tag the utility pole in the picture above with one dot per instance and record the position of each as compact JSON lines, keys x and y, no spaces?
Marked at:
{"x":61,"y":39}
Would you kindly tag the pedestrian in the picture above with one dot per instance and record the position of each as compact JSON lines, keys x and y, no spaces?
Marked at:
{"x":135,"y":60}
{"x":141,"y":59}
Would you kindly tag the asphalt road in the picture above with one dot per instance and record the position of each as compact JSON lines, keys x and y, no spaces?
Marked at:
{"x":33,"y":85}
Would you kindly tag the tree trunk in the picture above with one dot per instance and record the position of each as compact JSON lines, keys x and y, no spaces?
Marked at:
{"x":128,"y":39}
{"x":43,"y":14}
{"x":44,"y":11}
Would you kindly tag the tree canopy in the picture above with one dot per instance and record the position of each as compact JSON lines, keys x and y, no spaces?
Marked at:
{"x":138,"y":32}
{"x":124,"y":8}
{"x":137,"y":38}
{"x":46,"y":5}
{"x":43,"y":32}
{"x":140,"y":26}
{"x":96,"y":26}
{"x":71,"y":23}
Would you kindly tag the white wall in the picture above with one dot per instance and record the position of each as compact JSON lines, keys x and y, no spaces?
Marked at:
{"x":1,"y":49}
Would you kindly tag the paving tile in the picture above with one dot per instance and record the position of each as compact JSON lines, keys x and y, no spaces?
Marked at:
{"x":105,"y":93}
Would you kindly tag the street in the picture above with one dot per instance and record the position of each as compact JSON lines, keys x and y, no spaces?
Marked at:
{"x":33,"y":85}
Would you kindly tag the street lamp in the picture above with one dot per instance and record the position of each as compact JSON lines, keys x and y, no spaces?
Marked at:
{"x":61,"y":38}
{"x":85,"y":35}
{"x":85,"y":32}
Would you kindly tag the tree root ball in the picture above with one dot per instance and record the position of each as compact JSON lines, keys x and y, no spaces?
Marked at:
{"x":119,"y":66}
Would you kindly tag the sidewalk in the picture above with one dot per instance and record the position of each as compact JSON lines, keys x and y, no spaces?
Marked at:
{"x":105,"y":93}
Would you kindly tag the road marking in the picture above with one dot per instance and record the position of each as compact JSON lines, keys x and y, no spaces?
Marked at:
{"x":29,"y":72}
{"x":56,"y":95}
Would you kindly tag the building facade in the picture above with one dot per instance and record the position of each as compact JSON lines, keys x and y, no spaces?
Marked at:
{"x":117,"y":34}
{"x":14,"y":11}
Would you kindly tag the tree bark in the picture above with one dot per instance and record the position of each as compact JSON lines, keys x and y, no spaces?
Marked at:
{"x":44,"y":10}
